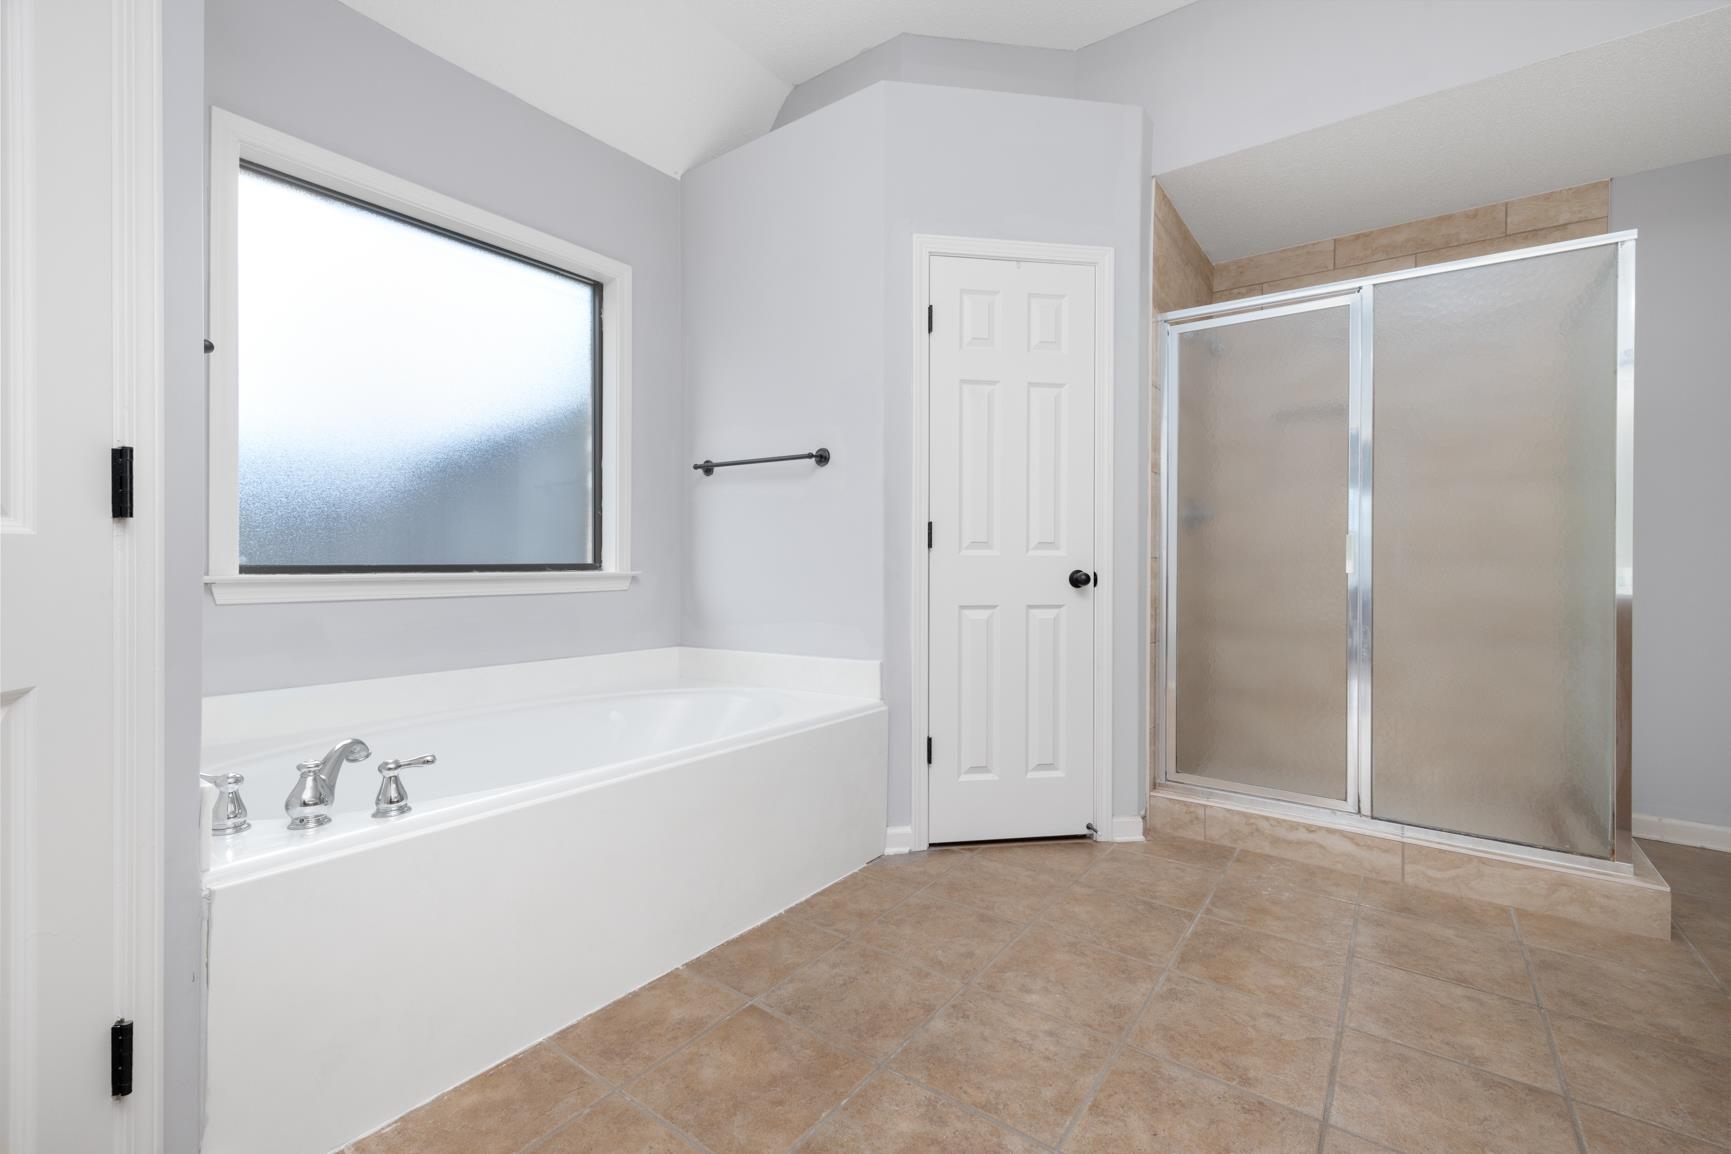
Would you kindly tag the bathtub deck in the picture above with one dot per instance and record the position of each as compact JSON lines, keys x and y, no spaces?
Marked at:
{"x":1163,"y":995}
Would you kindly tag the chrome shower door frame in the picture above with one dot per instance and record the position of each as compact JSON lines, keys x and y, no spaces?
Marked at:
{"x":1358,"y":296}
{"x":1356,"y":300}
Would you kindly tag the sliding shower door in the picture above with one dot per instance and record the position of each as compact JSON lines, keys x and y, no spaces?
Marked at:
{"x":1258,"y":453}
{"x":1494,"y":550}
{"x":1397,"y":546}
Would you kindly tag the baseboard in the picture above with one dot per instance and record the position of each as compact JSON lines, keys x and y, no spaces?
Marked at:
{"x":1127,"y":828}
{"x":1681,"y":832}
{"x":898,"y":839}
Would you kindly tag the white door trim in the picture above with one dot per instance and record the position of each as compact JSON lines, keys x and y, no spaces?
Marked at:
{"x":926,"y":247}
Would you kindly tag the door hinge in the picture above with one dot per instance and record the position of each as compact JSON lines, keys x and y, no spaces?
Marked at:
{"x":120,"y":481}
{"x":928,"y":318}
{"x":928,"y":751}
{"x":1096,"y":581}
{"x":120,"y":1058}
{"x":928,"y":534}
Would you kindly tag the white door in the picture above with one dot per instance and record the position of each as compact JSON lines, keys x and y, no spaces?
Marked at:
{"x":70,"y":920}
{"x":1011,"y":674}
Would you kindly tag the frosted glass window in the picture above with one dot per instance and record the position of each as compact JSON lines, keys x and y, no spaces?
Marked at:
{"x":409,"y":399}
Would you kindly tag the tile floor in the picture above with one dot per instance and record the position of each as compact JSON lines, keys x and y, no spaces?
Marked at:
{"x":1170,"y":996}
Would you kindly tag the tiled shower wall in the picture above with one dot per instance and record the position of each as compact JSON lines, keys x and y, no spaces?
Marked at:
{"x":1546,"y":218}
{"x":1183,"y":278}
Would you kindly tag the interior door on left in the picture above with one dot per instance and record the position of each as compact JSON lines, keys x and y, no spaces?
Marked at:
{"x":65,"y":881}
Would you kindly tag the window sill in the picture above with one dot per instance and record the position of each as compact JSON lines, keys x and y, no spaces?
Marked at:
{"x":268,"y":588}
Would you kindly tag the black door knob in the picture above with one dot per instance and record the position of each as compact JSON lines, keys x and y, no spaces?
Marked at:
{"x":1079,"y":579}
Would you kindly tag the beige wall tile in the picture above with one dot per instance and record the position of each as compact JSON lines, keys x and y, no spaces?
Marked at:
{"x":1563,"y":206}
{"x":1613,"y":903}
{"x":1316,"y":256}
{"x":1515,"y":240}
{"x":1237,"y":294}
{"x":1444,"y":231}
{"x":1170,"y":815}
{"x":1377,"y":857}
{"x":1393,"y":264}
{"x":1183,"y":274}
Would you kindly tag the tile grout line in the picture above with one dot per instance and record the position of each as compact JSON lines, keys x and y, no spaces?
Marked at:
{"x":1340,"y":1025}
{"x":1550,"y":1035}
{"x":1087,"y":1102}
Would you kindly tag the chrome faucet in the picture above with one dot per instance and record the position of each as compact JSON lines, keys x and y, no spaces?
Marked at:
{"x":309,"y":803}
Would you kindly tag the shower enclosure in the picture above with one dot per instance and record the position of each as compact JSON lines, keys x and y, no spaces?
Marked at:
{"x":1396,"y":547}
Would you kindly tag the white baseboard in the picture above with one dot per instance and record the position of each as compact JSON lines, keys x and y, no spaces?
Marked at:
{"x":1127,"y":828}
{"x":1681,"y":832}
{"x":898,"y":839}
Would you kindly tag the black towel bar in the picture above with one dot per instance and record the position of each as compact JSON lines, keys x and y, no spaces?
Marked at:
{"x":821,"y":456}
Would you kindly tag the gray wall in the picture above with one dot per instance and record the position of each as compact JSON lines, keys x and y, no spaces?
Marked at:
{"x":320,"y":71}
{"x":783,"y":353}
{"x":786,"y":239}
{"x":183,"y":160}
{"x":1682,"y":614}
{"x":937,"y":60}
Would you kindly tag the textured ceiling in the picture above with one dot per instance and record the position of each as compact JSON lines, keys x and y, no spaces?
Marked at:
{"x":1656,"y":98}
{"x":797,"y":39}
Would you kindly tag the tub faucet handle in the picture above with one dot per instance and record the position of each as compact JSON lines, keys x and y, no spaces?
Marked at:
{"x":229,"y":816}
{"x":393,"y":799}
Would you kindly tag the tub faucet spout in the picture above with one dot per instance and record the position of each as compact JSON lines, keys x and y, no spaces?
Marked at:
{"x":309,"y":803}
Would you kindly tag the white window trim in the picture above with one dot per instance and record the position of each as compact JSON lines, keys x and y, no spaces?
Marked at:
{"x":234,"y":139}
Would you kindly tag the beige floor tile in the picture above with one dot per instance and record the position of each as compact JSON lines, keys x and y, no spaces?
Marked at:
{"x":1340,"y":1142}
{"x":1118,"y":922}
{"x":1717,"y":957}
{"x":1486,"y":1030}
{"x":1279,"y":1053}
{"x":763,"y":956}
{"x":1185,"y":850}
{"x":1330,"y":883}
{"x":921,"y":866}
{"x":614,"y":1126}
{"x":1670,"y":958}
{"x":1658,"y":1082}
{"x":1484,"y":961}
{"x":1427,"y":1105}
{"x":1070,"y":979}
{"x":623,"y":1039}
{"x":1263,"y":902}
{"x":1153,"y":879}
{"x":1000,"y":890}
{"x":1609,"y":1133}
{"x":893,"y":1116}
{"x":1687,"y":1013}
{"x":951,"y":939}
{"x":1146,"y":1106}
{"x":1023,"y":1068}
{"x":498,"y":1112}
{"x":1430,"y":906}
{"x":862,"y":999}
{"x":752,"y":1084}
{"x":1290,"y":974}
{"x":855,"y":900}
{"x":1064,"y":860}
{"x":1703,"y":919}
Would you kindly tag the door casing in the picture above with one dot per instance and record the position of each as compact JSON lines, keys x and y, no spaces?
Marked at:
{"x":1100,"y":259}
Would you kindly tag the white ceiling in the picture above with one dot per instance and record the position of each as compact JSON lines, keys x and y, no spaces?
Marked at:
{"x":675,"y":82}
{"x":1656,"y":98}
{"x":797,"y":39}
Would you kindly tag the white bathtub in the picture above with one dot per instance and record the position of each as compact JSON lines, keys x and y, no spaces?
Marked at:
{"x":572,"y":843}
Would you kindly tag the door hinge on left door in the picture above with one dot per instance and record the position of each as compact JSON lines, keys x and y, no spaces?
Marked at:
{"x":928,"y":318}
{"x":928,"y":751}
{"x":120,"y":1058}
{"x":120,"y":481}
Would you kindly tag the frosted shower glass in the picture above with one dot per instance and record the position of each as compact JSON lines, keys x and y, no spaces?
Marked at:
{"x":408,"y":400}
{"x":1261,"y":608}
{"x":1495,"y":488}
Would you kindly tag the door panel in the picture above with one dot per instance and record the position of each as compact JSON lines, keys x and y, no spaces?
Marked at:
{"x":1261,"y":615}
{"x":1012,"y":506}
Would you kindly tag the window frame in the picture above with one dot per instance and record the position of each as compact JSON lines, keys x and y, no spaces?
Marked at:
{"x":234,"y":141}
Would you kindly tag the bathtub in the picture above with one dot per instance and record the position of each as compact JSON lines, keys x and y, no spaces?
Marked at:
{"x":589,"y":825}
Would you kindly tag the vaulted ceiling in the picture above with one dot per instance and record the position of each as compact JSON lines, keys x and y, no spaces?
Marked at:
{"x":674,"y":82}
